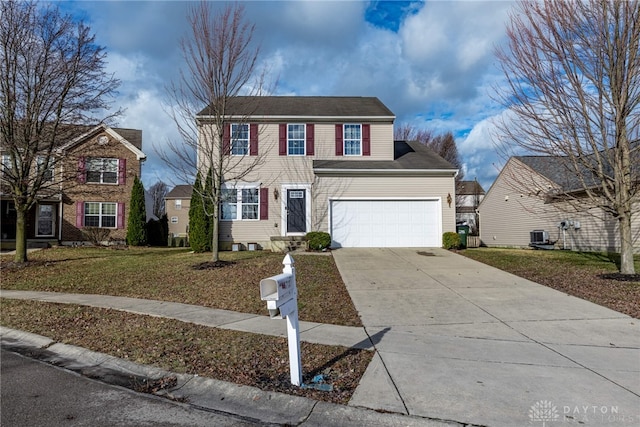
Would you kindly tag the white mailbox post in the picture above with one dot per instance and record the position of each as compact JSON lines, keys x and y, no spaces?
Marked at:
{"x":281,"y":296}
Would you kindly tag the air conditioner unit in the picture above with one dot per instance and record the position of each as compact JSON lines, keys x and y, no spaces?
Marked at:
{"x":539,"y":236}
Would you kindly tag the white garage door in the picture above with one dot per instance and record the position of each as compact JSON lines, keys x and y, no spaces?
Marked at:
{"x":386,"y":223}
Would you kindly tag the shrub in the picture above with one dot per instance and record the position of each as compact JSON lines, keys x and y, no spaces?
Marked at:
{"x":96,"y":235}
{"x":198,"y":221}
{"x":137,"y":221}
{"x":450,"y":240}
{"x":318,"y":240}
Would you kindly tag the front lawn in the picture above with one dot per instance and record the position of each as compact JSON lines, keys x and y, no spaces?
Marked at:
{"x":591,"y":276}
{"x":177,"y":275}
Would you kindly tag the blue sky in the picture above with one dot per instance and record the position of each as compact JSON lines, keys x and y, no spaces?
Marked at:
{"x":432,"y":63}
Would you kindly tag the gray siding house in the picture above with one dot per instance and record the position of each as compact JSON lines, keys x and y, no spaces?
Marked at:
{"x":327,"y":164}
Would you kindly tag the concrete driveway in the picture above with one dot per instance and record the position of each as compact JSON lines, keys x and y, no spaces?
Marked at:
{"x":458,"y":340}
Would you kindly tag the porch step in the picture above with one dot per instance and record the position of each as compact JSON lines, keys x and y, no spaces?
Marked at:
{"x":289,"y":243}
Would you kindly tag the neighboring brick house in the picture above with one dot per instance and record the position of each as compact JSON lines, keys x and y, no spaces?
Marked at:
{"x":522,"y":200}
{"x":177,"y":203}
{"x":328,"y":164}
{"x":95,"y":175}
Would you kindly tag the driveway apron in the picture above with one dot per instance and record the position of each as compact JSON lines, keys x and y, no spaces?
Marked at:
{"x":458,"y":340}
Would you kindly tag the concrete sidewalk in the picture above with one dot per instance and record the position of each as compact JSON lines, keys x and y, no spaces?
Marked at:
{"x":459,"y":340}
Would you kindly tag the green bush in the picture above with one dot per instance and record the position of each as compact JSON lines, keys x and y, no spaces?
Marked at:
{"x":318,"y":240}
{"x":137,"y":221}
{"x":450,"y":240}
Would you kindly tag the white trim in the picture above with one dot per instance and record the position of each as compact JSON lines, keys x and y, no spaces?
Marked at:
{"x":102,"y":127}
{"x":283,"y":207}
{"x":304,"y":140}
{"x":241,"y":186}
{"x":424,"y":172}
{"x":344,"y":140}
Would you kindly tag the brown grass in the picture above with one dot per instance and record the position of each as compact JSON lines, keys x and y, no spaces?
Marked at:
{"x":239,"y":357}
{"x":587,"y":275}
{"x":173,"y":275}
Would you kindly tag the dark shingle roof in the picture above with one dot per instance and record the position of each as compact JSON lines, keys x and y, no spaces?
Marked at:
{"x":134,"y":136}
{"x":469,"y":188}
{"x":408,"y":156}
{"x":305,"y":106}
{"x":180,"y":192}
{"x":559,"y":170}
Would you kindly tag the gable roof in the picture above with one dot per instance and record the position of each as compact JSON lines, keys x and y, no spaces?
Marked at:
{"x":469,"y":188}
{"x":343,"y":107}
{"x":119,"y":134}
{"x":559,"y":170}
{"x":180,"y":192}
{"x":410,"y":157}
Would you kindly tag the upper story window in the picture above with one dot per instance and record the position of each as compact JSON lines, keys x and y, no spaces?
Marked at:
{"x":43,"y":164}
{"x":239,"y":139}
{"x":296,"y":139}
{"x":102,"y":170}
{"x":178,"y":204}
{"x":352,"y":140}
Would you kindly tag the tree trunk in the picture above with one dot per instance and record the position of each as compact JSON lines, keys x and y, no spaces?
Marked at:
{"x":21,"y":235}
{"x":626,"y":246}
{"x":214,"y":239}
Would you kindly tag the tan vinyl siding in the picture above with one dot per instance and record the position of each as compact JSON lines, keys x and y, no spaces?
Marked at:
{"x":511,"y":210}
{"x":178,"y":229}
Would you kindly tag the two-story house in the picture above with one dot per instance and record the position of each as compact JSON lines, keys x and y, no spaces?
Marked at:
{"x":177,"y":204}
{"x":328,"y":164}
{"x":92,"y":181}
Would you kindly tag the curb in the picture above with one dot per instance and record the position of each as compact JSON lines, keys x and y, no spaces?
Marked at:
{"x":245,"y":402}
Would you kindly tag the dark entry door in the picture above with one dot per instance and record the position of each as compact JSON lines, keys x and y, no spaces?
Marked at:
{"x":296,"y":211}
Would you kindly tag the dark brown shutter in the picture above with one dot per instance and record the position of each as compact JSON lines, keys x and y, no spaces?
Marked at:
{"x":310,"y":139}
{"x":79,"y":213}
{"x":120,"y":223}
{"x":122,"y":171}
{"x":366,"y":140}
{"x":339,"y":144}
{"x":226,"y":139}
{"x":283,"y":139}
{"x":253,"y":139}
{"x":264,"y":203}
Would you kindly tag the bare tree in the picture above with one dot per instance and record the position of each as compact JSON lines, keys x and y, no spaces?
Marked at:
{"x":52,"y":78}
{"x":220,"y":61}
{"x":572,"y":71}
{"x":158,"y":191}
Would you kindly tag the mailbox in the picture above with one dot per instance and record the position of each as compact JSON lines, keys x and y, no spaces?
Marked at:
{"x":279,"y":293}
{"x":281,"y":296}
{"x":281,"y":309}
{"x":277,"y":288}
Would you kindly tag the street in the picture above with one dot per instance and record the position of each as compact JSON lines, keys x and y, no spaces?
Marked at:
{"x":34,"y":394}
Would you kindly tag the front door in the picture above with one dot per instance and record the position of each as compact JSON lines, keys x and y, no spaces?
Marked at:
{"x":296,"y":211}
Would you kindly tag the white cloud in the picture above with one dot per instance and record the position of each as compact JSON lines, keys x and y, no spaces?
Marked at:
{"x":434,"y":72}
